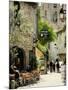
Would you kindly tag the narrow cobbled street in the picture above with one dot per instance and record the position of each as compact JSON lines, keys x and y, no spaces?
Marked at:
{"x":50,"y":79}
{"x":37,"y":39}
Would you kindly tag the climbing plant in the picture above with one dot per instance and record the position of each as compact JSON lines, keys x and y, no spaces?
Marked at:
{"x":42,"y":42}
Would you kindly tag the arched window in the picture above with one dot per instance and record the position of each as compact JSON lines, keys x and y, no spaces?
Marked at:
{"x":55,"y":17}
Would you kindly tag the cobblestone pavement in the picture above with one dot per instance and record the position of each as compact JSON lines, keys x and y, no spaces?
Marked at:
{"x":50,"y":79}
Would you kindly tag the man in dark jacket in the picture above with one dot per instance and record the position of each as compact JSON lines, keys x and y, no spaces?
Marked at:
{"x":54,"y":67}
{"x":51,"y":65}
{"x":57,"y":65}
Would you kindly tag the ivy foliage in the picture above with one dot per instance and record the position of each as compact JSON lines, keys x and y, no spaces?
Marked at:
{"x":42,"y":26}
{"x":42,"y":43}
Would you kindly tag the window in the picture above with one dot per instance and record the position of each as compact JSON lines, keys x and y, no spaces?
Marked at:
{"x":55,"y":6}
{"x":55,"y":17}
{"x":45,"y":14}
{"x":48,"y":5}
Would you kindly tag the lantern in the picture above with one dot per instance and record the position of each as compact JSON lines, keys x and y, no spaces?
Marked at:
{"x":62,"y":14}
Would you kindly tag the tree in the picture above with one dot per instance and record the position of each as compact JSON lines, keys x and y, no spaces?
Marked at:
{"x":42,"y":42}
{"x":43,"y":26}
{"x":46,"y":37}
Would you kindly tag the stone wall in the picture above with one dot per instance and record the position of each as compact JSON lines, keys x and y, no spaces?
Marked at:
{"x":22,"y":26}
{"x":47,"y":11}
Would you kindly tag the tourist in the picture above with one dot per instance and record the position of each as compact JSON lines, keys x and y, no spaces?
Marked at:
{"x":51,"y":65}
{"x":54,"y":67}
{"x":57,"y":65}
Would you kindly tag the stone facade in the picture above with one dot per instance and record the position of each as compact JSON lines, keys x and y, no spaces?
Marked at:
{"x":51,"y":13}
{"x":22,"y":25}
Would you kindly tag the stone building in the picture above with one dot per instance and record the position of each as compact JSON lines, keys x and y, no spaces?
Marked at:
{"x":22,"y":25}
{"x":51,"y":13}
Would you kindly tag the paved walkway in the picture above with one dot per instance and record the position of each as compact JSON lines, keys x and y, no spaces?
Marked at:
{"x":50,"y":79}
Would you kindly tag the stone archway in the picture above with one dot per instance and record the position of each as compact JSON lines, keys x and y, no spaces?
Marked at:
{"x":17,"y":57}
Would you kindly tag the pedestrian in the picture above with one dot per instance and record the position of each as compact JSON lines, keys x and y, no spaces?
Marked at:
{"x":51,"y":65}
{"x":57,"y":65}
{"x":54,"y":67}
{"x":47,"y":66}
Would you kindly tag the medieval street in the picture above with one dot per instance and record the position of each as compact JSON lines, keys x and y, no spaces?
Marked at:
{"x":37,"y":40}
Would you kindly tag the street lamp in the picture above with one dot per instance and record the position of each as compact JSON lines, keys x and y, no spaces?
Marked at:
{"x":62,"y":14}
{"x":44,"y":34}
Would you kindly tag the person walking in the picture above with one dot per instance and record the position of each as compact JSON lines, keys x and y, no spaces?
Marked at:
{"x":51,"y":65}
{"x":54,"y":67}
{"x":57,"y":65}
